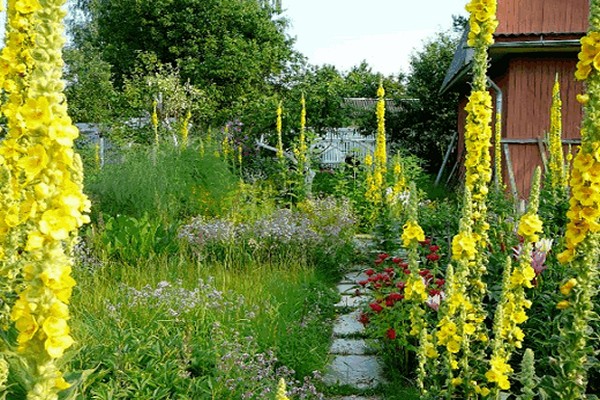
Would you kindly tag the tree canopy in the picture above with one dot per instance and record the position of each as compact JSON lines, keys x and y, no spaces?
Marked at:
{"x":228,"y":48}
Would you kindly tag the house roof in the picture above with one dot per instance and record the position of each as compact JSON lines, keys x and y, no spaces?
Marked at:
{"x":364,"y":103}
{"x":504,"y":44}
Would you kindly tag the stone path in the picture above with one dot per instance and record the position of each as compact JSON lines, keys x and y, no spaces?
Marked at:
{"x":352,"y":363}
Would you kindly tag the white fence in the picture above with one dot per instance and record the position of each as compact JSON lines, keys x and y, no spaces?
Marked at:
{"x":337,"y":144}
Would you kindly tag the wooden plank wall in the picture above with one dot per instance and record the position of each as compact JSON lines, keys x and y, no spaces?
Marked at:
{"x":527,"y":109}
{"x":542,"y":16}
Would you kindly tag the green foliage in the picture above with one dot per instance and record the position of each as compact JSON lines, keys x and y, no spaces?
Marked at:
{"x":169,"y":183}
{"x":129,"y":239}
{"x":151,"y":80}
{"x":430,"y":118}
{"x":228,"y":47}
{"x":90,"y":92}
{"x":177,"y":332}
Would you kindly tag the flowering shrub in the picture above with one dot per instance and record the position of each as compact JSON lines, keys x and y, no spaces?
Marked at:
{"x":316,"y":229}
{"x":388,"y":317}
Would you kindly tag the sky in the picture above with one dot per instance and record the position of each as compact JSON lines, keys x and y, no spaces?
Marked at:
{"x":382,"y":32}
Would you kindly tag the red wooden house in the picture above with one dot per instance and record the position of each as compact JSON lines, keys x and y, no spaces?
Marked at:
{"x":535,"y":41}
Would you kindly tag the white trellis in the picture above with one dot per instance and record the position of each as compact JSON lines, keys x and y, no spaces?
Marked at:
{"x":339,"y":143}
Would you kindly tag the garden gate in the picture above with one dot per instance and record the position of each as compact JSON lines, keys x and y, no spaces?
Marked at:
{"x":337,"y":144}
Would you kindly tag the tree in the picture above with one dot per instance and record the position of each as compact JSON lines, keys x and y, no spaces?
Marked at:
{"x":430,"y":118}
{"x":229,"y":48}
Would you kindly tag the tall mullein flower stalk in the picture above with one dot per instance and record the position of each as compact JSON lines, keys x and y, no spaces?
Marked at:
{"x":302,"y":146}
{"x":399,"y":182}
{"x":154,"y":120}
{"x":556,"y":162}
{"x":279,"y":132}
{"x":16,"y":64}
{"x":461,"y":331}
{"x":498,"y":151}
{"x":380,"y":156}
{"x":582,"y":237}
{"x":415,"y":290}
{"x":461,"y":320}
{"x":185,"y":128}
{"x":47,"y":174}
{"x":301,"y":150}
{"x":513,"y":304}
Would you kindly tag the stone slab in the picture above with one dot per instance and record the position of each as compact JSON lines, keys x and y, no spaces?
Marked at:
{"x":349,"y":347}
{"x":354,"y":276}
{"x":347,"y":288}
{"x":348,"y":325}
{"x":351,"y":301}
{"x":359,"y":372}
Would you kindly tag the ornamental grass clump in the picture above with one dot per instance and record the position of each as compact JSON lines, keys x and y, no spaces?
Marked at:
{"x":582,"y":237}
{"x":46,"y":205}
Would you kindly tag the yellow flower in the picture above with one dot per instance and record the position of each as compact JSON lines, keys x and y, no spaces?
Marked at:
{"x":453,"y":345}
{"x":280,"y":395}
{"x":27,"y":6}
{"x":27,"y":327}
{"x":56,"y":224}
{"x":456,"y":381}
{"x":412,"y":233}
{"x":561,"y":305}
{"x":36,"y":113}
{"x":35,"y":160}
{"x":463,"y":246}
{"x":529,"y":226}
{"x":568,"y":286}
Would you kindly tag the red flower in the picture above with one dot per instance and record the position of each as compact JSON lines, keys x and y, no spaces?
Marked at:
{"x":389,"y":302}
{"x":397,"y":260}
{"x":369,"y":272}
{"x":403,"y":265}
{"x":434,"y":248}
{"x":433,"y":257}
{"x":383,"y":256}
{"x":425,"y":242}
{"x":363,"y":319}
{"x":389,"y":270}
{"x":407,"y":271}
{"x":363,"y":283}
{"x":424,"y":272}
{"x":400,"y":285}
{"x":440,"y":282}
{"x":433,"y":292}
{"x":395,"y":296}
{"x":376,"y":307}
{"x":379,"y":261}
{"x":391,"y":334}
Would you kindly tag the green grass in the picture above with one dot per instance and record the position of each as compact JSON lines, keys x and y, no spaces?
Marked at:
{"x":143,"y":350}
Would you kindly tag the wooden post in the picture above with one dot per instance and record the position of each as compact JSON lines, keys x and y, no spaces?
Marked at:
{"x":511,"y":173}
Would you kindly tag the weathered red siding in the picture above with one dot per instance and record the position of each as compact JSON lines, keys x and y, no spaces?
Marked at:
{"x":542,"y":16}
{"x":526,"y":87}
{"x":527,"y":111}
{"x":530,"y":82}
